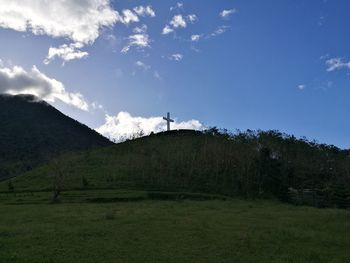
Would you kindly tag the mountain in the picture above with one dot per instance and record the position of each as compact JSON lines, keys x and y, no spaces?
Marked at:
{"x":249,"y":164}
{"x":32,"y":132}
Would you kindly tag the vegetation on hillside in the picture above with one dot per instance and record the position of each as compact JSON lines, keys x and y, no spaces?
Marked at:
{"x":33,"y":132}
{"x":249,"y":164}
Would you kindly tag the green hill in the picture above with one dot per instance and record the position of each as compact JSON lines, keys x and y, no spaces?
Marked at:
{"x":247,"y":164}
{"x":32,"y":132}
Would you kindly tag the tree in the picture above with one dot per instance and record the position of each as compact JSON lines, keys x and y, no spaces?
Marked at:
{"x":58,"y":171}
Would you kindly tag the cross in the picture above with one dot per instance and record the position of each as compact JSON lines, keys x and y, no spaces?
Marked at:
{"x":168,"y":120}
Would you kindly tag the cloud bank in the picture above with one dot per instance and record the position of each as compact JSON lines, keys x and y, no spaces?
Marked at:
{"x":79,"y":21}
{"x":16,"y":80}
{"x":124,"y":126}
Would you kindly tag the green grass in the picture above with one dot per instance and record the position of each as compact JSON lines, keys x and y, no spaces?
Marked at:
{"x":134,"y":228}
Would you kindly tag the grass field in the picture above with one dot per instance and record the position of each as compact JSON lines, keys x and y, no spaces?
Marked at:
{"x":127,"y":226}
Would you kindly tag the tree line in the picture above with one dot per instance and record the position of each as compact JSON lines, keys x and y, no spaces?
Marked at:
{"x":250,"y":164}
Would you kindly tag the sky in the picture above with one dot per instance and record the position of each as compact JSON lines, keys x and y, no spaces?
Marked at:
{"x":118,"y":66}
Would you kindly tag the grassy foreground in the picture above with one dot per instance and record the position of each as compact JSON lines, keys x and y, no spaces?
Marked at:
{"x":79,"y":230}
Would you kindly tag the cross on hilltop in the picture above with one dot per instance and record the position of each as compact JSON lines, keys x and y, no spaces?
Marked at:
{"x":168,"y":120}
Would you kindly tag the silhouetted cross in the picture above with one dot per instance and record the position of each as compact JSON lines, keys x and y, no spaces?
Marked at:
{"x":168,"y":120}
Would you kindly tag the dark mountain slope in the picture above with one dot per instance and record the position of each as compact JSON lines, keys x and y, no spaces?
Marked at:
{"x":32,"y":132}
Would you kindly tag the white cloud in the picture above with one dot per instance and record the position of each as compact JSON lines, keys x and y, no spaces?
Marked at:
{"x":178,"y":21}
{"x":228,"y":13}
{"x":336,"y":63}
{"x":146,"y":67}
{"x":124,"y":126}
{"x":178,"y":6}
{"x":145,"y":11}
{"x":129,"y":17}
{"x":329,"y":84}
{"x":176,"y":57}
{"x":16,"y":80}
{"x":219,"y":31}
{"x":141,"y":29}
{"x":66,"y":52}
{"x":157,"y":75}
{"x":167,"y":29}
{"x":301,"y":86}
{"x":96,"y":106}
{"x":192,"y":18}
{"x":321,"y":20}
{"x":324,"y":56}
{"x":79,"y":21}
{"x":140,"y":41}
{"x":142,"y":65}
{"x":195,"y":38}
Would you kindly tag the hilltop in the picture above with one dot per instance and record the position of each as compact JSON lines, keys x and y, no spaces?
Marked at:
{"x":33,"y":132}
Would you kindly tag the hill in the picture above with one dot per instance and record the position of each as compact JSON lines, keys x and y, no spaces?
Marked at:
{"x":246,"y":164}
{"x":32,"y":132}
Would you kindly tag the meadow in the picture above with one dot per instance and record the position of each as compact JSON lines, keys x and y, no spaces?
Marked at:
{"x":139,"y":226}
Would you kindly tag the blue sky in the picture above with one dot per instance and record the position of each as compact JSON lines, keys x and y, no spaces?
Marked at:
{"x":273,"y":64}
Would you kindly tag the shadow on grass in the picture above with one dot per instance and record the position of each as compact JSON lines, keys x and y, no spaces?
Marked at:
{"x":108,"y":197}
{"x":168,"y":196}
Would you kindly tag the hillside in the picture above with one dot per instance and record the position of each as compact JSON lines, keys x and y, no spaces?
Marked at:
{"x":247,"y":164}
{"x":32,"y":132}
